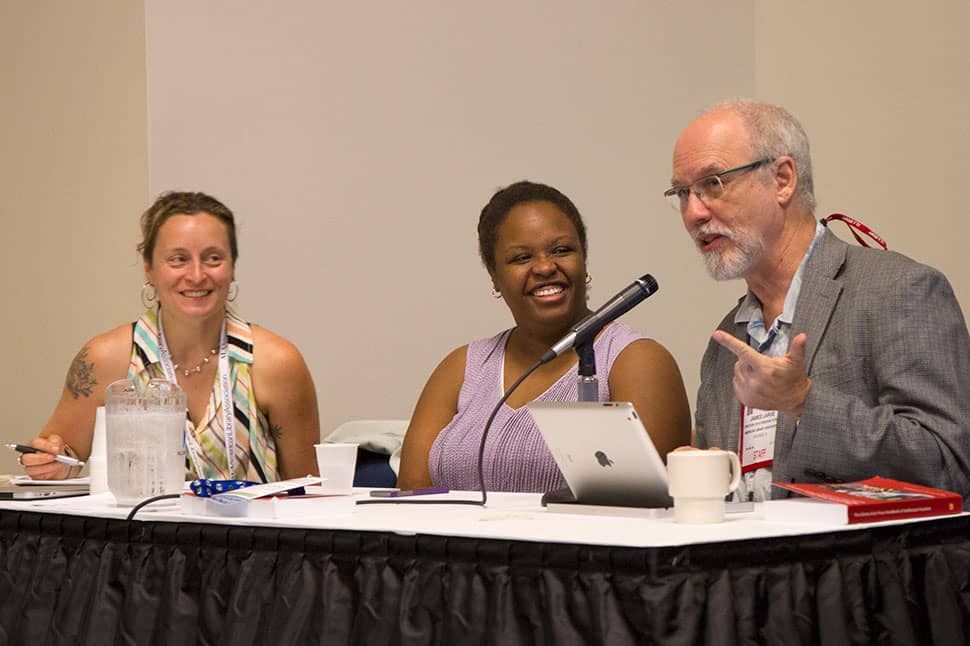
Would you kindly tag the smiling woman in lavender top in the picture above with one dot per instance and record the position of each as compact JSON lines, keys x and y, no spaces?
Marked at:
{"x":532,"y":241}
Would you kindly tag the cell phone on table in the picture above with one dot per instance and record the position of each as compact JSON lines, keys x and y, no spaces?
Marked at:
{"x":398,"y":493}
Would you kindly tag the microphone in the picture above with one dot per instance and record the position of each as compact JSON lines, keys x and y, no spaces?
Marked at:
{"x":616,"y":307}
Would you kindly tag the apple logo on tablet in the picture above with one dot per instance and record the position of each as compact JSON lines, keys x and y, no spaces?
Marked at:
{"x":603,"y":459}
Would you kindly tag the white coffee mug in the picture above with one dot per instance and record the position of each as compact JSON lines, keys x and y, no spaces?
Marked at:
{"x":698,"y":481}
{"x":337,"y":462}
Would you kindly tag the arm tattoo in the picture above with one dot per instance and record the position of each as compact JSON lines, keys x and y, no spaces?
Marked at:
{"x":276,"y":431}
{"x":80,"y":377}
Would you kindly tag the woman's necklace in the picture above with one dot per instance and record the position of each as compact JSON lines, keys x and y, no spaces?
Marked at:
{"x":188,"y":372}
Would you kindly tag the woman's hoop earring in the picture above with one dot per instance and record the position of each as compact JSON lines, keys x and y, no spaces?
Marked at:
{"x":589,"y":279}
{"x":233,"y":291}
{"x":148,"y":295}
{"x":496,"y":293}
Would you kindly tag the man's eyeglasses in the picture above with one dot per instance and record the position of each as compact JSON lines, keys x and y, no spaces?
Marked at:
{"x":709,"y":187}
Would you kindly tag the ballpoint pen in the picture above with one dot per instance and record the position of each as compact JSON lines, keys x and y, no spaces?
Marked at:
{"x":65,"y":459}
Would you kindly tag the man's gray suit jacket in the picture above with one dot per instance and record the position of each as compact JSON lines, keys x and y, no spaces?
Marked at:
{"x":889,"y":358}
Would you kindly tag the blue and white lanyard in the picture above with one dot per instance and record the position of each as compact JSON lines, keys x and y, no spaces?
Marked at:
{"x":228,"y":417}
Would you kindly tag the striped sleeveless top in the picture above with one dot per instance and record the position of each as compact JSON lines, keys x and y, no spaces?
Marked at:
{"x":516,"y":456}
{"x":255,"y":457}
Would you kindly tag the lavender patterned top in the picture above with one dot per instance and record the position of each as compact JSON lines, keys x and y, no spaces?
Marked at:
{"x":516,"y":457}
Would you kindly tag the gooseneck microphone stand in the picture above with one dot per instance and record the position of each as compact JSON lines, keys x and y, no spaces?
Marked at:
{"x":587,"y":386}
{"x":488,"y":425}
{"x":581,"y":338}
{"x":481,"y":454}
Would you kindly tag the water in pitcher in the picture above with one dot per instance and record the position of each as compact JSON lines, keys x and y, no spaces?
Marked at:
{"x":145,"y":438}
{"x":146,"y":455}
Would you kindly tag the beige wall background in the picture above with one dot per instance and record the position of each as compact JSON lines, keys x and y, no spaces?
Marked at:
{"x":73,"y":175}
{"x":358,"y":142}
{"x":358,"y":147}
{"x":884,"y":92}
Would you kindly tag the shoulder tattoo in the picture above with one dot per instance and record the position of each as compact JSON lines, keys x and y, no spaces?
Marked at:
{"x":80,"y":377}
{"x":275,"y":430}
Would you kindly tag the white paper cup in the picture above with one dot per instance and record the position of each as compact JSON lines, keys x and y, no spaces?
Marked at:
{"x":698,"y":481}
{"x":98,"y":462}
{"x":337,"y":462}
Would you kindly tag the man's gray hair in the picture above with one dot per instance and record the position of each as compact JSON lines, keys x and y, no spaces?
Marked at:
{"x":775,"y":132}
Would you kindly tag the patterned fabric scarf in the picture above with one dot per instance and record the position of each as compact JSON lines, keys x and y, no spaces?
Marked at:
{"x":255,"y":457}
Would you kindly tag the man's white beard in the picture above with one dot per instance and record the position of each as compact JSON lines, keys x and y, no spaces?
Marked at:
{"x":740,"y":256}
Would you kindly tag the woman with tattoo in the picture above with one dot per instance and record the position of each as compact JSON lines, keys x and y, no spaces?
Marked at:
{"x":191,"y":335}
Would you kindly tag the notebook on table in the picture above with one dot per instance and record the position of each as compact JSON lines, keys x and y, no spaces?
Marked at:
{"x":604,"y":453}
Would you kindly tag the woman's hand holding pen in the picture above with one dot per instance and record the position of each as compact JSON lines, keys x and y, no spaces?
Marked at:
{"x":42,"y":466}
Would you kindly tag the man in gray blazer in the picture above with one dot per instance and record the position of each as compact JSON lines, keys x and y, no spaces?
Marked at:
{"x":840,"y":363}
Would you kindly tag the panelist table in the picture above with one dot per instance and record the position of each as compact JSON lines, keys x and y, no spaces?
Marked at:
{"x":74,"y":571}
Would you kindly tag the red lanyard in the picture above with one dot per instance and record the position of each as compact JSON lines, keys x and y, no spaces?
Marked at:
{"x":854,"y":227}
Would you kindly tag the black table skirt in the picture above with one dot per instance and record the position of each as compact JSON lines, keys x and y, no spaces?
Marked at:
{"x":78,"y":580}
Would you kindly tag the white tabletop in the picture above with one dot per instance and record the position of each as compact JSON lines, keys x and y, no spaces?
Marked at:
{"x":510,"y":516}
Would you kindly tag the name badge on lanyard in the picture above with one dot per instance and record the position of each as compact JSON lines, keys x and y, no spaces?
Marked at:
{"x":228,"y":411}
{"x":757,"y":442}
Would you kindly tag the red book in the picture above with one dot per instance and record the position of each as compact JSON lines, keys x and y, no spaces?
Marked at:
{"x":865,"y":501}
